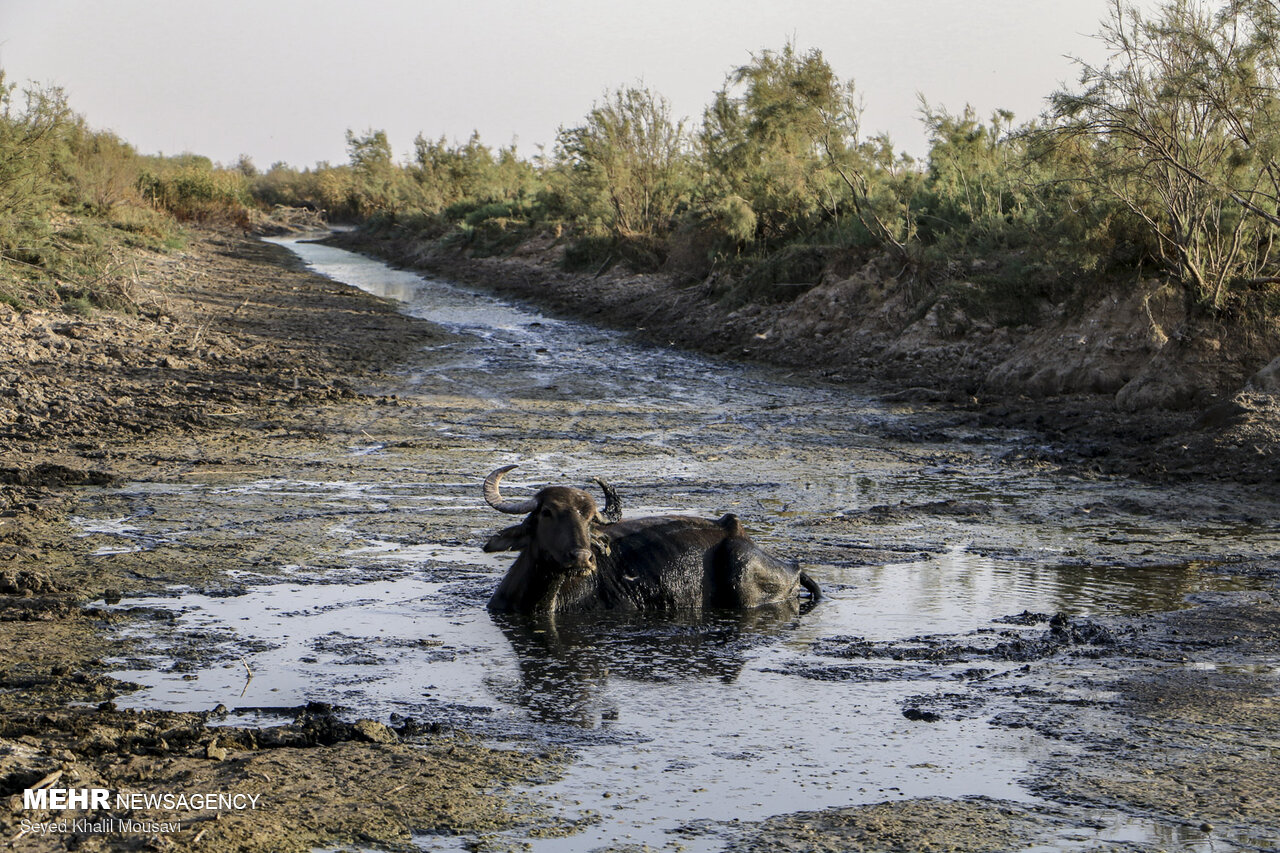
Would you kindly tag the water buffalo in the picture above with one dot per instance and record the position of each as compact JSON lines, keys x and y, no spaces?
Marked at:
{"x":577,"y":558}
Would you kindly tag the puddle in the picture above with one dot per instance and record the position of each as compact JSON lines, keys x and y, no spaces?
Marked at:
{"x":694,"y":718}
{"x":361,"y":581}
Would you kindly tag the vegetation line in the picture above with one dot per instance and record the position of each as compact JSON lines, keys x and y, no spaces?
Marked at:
{"x":1160,"y":162}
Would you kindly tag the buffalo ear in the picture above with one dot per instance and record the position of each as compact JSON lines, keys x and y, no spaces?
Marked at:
{"x":514,"y":538}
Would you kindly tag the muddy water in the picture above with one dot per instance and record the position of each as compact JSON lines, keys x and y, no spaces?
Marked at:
{"x":353,"y":574}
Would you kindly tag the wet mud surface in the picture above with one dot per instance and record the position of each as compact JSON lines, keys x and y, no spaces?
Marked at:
{"x":867,"y":331}
{"x":1012,"y":655}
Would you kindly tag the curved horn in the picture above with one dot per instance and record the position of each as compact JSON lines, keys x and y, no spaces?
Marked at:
{"x":494,"y":498}
{"x":612,"y":512}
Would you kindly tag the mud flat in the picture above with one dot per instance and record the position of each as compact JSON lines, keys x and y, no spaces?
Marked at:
{"x":264,"y":577}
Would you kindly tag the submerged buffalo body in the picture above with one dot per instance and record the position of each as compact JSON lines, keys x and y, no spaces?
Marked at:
{"x":575,"y":558}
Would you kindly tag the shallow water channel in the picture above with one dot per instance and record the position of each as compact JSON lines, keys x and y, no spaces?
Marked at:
{"x":368,"y":587}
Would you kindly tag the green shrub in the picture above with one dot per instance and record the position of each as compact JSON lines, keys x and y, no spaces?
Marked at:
{"x":195,"y":194}
{"x":590,"y":254}
{"x":80,"y":306}
{"x":780,"y":276}
{"x":505,"y":210}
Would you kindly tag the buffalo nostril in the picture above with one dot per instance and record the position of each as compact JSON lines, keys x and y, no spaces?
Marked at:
{"x":582,"y":558}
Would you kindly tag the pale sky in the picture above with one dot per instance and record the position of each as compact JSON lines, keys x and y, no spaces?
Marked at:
{"x":284,"y":79}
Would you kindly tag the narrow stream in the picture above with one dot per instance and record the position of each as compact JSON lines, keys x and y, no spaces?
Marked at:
{"x":912,"y":524}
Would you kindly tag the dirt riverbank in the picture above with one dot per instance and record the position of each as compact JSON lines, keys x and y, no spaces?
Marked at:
{"x":1106,"y":390}
{"x":241,"y":367}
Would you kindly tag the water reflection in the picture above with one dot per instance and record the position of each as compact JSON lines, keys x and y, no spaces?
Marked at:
{"x":959,"y":591}
{"x":1090,"y":588}
{"x":565,"y":662}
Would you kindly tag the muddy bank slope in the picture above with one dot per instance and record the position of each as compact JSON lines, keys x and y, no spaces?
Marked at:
{"x":236,"y":360}
{"x":1116,"y":388}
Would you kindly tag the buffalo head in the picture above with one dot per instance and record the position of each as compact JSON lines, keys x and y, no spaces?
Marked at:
{"x":562,"y":528}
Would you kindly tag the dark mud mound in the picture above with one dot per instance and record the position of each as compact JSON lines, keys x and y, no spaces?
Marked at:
{"x":975,"y":825}
{"x":52,"y":474}
{"x":1082,"y":637}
